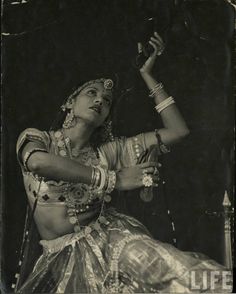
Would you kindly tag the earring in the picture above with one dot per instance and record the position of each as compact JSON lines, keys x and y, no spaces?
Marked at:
{"x":69,"y":120}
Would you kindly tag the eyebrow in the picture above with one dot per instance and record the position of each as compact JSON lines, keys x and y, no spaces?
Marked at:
{"x":89,"y":87}
{"x":93,"y":87}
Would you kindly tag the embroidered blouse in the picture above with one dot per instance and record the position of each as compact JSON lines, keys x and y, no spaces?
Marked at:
{"x":122,"y":152}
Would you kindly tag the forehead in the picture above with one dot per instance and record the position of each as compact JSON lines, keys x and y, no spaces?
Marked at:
{"x":99,"y":86}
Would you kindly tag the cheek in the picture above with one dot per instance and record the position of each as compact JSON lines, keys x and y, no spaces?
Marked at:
{"x":80,"y":106}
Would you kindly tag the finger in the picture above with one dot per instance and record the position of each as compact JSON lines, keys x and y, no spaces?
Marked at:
{"x":153,"y":45}
{"x":148,"y":170}
{"x":151,"y":170}
{"x":155,"y":171}
{"x":158,"y":37}
{"x":157,"y":42}
{"x":149,"y":164}
{"x":140,"y":47}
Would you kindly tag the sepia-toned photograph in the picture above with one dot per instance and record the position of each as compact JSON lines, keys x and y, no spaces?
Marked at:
{"x":117,"y":158}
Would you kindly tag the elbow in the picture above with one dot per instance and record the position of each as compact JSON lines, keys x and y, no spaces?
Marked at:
{"x":183,"y":134}
{"x":33,"y":166}
{"x":36,"y":163}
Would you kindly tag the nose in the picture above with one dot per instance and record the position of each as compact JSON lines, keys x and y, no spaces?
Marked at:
{"x":98,"y":100}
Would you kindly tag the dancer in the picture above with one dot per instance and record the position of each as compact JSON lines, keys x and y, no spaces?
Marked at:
{"x":69,"y":174}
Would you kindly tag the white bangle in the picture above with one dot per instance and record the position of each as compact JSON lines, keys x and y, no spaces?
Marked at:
{"x":158,"y":87}
{"x":102,"y":178}
{"x":96,"y":177}
{"x":164,"y":104}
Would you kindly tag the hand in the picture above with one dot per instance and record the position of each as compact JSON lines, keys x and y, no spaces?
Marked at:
{"x":130,"y":178}
{"x":158,"y":45}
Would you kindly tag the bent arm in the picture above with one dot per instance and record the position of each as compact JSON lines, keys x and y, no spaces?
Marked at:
{"x":55,"y":167}
{"x":175,"y":127}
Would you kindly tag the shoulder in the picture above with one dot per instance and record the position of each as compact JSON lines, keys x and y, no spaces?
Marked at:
{"x":32,"y":135}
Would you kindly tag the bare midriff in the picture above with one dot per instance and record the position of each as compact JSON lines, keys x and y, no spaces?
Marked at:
{"x":53,"y":221}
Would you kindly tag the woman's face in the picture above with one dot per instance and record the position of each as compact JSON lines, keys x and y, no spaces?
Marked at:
{"x":93,"y":104}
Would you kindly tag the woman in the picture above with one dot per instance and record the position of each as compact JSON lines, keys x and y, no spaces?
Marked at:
{"x":69,"y":173}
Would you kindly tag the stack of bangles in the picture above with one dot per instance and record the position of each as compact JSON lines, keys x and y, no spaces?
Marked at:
{"x":103,"y":180}
{"x":165,"y":103}
{"x":156,"y":90}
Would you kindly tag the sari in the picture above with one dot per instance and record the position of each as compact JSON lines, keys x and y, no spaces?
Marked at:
{"x":113,"y":252}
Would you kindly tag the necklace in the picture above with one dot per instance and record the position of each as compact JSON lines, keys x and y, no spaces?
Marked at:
{"x":80,"y":197}
{"x":65,"y":149}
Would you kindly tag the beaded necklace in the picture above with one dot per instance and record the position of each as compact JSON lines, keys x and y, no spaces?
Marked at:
{"x":76,"y":203}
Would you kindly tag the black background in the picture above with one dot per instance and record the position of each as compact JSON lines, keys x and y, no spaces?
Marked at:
{"x":53,"y":45}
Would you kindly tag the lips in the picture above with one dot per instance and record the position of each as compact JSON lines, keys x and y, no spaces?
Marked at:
{"x":96,"y":108}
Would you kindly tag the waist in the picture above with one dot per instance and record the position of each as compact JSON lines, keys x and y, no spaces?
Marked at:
{"x":58,"y":243}
{"x":55,"y":223}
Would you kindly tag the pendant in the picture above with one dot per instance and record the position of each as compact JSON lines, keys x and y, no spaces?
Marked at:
{"x":71,"y":212}
{"x":73,"y":220}
{"x":62,"y":153}
{"x":60,"y":144}
{"x":58,"y":134}
{"x":77,"y":229}
{"x":107,"y":198}
{"x":75,"y":152}
{"x":87,"y":230}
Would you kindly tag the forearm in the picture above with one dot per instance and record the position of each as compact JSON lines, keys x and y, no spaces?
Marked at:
{"x":55,"y":167}
{"x":171,"y":117}
{"x":151,"y":83}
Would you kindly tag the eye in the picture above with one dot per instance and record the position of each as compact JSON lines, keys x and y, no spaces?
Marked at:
{"x":92,"y":92}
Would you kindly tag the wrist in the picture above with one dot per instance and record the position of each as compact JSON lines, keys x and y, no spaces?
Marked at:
{"x":103,"y":179}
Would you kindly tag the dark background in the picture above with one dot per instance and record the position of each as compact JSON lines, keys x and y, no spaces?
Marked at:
{"x":53,"y":45}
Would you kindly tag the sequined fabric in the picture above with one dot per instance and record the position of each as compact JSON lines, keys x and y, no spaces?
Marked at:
{"x":117,"y":257}
{"x":113,"y":155}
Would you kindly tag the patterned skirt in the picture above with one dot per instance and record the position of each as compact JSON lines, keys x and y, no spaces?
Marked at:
{"x":120,"y":256}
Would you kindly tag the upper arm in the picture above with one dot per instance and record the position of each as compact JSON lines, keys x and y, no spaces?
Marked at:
{"x":126,"y":152}
{"x":164,"y":138}
{"x":30,"y":141}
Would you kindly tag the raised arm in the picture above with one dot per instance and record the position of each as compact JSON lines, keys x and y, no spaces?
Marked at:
{"x":175,"y":127}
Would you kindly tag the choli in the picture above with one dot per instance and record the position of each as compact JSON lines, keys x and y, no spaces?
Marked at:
{"x":59,"y":193}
